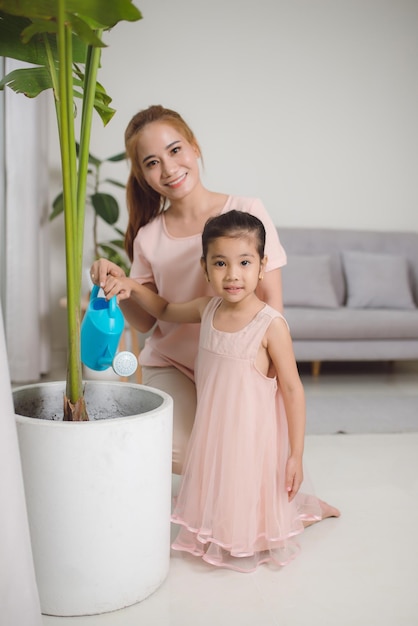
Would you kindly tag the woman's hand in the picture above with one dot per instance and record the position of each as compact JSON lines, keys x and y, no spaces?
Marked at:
{"x":103,"y":271}
{"x":103,"y":268}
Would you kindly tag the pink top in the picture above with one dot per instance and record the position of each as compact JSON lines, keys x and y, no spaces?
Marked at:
{"x":173,"y":265}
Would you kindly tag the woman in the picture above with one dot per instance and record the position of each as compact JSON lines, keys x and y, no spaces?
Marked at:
{"x":168,"y":208}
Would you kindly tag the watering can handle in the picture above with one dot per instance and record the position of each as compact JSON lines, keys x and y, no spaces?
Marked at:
{"x":112,"y":301}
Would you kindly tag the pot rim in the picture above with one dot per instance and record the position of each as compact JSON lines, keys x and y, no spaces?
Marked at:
{"x":166,"y":404}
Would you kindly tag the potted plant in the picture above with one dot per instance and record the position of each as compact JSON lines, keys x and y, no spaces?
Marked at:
{"x":63,"y":41}
{"x":97,"y":490}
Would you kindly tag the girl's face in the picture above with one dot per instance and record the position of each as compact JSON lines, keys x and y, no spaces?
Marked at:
{"x":233,"y":267}
{"x":168,"y":161}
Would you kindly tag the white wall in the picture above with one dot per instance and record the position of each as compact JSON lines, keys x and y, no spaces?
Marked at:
{"x":312,"y":105}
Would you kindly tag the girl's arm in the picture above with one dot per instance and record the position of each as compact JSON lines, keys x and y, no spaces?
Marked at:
{"x":280,"y":348}
{"x":128,"y":289}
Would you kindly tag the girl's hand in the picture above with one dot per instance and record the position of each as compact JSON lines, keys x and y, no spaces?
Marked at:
{"x":294,"y":476}
{"x":103,"y":268}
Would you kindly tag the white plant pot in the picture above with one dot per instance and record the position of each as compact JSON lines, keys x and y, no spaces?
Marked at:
{"x":98,"y":494}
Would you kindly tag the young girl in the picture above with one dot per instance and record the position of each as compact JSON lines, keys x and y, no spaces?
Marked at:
{"x":168,"y":207}
{"x":239,"y":503}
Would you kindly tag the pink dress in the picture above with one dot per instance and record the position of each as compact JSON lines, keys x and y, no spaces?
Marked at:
{"x":165,"y":261}
{"x":232,"y":505}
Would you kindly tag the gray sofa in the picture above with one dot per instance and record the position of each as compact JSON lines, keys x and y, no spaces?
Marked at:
{"x":351,"y":295}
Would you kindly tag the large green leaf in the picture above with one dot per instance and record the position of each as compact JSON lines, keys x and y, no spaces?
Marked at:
{"x":34,"y":9}
{"x":106,"y":113}
{"x":101,"y":94}
{"x":12,"y":46}
{"x":38,"y":27}
{"x":79,"y":78}
{"x":101,"y":100}
{"x":85,"y":32}
{"x":80,"y":27}
{"x":101,"y":14}
{"x":32,"y":81}
{"x":100,"y":104}
{"x":106,"y":13}
{"x":106,"y":207}
{"x":21,"y":23}
{"x":29,"y":81}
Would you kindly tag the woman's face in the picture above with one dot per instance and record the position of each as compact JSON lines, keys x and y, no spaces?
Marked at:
{"x":169,"y":163}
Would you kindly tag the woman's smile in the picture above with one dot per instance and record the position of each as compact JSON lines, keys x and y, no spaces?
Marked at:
{"x":177,"y":182}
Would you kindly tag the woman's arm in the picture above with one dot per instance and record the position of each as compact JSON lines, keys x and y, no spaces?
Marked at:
{"x":269,"y":290}
{"x":280,"y":348}
{"x":128,"y":289}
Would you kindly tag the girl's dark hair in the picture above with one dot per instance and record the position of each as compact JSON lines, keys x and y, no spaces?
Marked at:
{"x":143,"y":202}
{"x":233,"y":224}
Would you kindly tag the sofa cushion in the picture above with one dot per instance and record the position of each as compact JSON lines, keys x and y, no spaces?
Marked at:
{"x":377,"y":280}
{"x":351,"y":324}
{"x":332,"y":240}
{"x":307,"y":281}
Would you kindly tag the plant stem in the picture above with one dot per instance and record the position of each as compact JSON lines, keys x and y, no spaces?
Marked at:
{"x":96,"y":219}
{"x":54,"y":79}
{"x":74,"y":390}
{"x":90,"y":79}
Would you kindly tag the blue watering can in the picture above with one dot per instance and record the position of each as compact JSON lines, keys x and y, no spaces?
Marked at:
{"x":101,"y":330}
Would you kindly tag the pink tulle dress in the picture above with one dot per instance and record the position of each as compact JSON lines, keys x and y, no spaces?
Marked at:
{"x":232,"y":505}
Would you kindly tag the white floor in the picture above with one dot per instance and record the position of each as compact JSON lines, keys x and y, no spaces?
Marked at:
{"x":358,"y":570}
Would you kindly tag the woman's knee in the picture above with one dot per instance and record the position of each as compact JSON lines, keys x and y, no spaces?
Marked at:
{"x":183,"y":392}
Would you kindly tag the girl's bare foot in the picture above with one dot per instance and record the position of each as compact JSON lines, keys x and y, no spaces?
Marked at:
{"x":327,"y":511}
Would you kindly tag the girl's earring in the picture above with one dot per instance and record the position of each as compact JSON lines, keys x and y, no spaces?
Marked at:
{"x":260,"y":277}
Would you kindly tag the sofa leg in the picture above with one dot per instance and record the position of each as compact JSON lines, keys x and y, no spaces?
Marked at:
{"x":316,"y":368}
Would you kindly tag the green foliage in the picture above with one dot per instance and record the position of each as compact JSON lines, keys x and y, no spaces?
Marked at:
{"x":105,"y":207}
{"x":35,"y":43}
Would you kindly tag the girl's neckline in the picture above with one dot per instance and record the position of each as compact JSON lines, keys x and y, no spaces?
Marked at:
{"x":235,"y":332}
{"x":199,"y":234}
